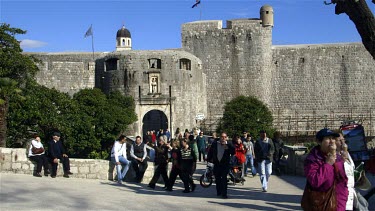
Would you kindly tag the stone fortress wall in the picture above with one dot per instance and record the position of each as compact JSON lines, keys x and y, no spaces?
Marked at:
{"x":132,"y":77}
{"x":306,"y":86}
{"x":236,"y":59}
{"x":67,"y":72}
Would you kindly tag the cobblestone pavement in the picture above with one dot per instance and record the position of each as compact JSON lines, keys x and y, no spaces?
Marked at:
{"x":25,"y":192}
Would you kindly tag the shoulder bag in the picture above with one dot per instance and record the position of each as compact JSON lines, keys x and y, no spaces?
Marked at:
{"x":318,"y":201}
{"x":35,"y":150}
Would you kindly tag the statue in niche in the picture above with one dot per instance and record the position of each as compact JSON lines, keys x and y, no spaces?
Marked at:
{"x":154,"y":85}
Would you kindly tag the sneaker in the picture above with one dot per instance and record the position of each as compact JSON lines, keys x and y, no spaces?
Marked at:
{"x":37,"y":174}
{"x":264,"y":189}
{"x":119,"y":182}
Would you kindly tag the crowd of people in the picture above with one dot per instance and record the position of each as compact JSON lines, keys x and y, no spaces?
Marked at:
{"x":328,"y":165}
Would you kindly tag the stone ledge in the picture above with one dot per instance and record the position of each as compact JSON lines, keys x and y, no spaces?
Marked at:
{"x":14,"y":160}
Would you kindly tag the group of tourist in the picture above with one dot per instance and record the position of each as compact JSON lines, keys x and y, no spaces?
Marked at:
{"x":327,"y":166}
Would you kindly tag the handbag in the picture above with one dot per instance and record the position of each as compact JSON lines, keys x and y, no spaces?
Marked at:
{"x":35,"y":150}
{"x":317,"y":200}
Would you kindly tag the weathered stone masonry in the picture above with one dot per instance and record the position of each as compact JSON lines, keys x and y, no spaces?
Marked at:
{"x":307,"y":87}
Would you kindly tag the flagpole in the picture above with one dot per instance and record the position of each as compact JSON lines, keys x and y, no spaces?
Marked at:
{"x":92,"y":43}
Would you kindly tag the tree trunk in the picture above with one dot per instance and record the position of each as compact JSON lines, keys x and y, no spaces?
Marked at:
{"x":3,"y":124}
{"x":361,"y":15}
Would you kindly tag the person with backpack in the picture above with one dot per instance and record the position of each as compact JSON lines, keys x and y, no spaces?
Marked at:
{"x":37,"y":155}
{"x":118,"y":157}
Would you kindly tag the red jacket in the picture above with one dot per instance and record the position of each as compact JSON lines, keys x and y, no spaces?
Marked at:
{"x":240,"y":152}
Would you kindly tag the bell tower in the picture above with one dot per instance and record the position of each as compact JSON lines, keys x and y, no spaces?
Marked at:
{"x":123,"y":39}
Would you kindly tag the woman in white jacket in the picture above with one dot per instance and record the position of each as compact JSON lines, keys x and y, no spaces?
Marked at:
{"x":38,"y":156}
{"x":349,"y":166}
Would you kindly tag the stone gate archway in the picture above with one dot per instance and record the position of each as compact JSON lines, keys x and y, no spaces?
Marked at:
{"x":154,"y":120}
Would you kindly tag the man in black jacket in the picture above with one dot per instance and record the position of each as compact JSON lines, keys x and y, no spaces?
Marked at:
{"x":220,"y":155}
{"x":57,"y":153}
{"x":138,"y":153}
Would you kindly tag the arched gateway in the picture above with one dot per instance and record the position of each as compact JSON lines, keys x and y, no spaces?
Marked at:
{"x":154,"y":120}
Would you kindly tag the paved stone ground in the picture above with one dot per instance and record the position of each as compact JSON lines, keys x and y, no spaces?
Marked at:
{"x":24,"y":192}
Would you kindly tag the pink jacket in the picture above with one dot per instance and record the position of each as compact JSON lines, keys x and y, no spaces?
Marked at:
{"x":321,"y":175}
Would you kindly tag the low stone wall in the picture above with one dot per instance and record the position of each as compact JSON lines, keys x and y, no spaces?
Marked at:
{"x":15,"y":160}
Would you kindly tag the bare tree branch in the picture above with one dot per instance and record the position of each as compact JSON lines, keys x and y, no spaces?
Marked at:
{"x":362,"y":17}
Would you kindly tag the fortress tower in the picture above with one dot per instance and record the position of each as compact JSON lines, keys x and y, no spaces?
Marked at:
{"x":123,"y":40}
{"x":237,"y":59}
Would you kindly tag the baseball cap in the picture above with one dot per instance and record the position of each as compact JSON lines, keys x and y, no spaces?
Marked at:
{"x":326,"y":132}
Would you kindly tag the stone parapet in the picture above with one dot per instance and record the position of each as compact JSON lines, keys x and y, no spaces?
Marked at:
{"x":15,"y":160}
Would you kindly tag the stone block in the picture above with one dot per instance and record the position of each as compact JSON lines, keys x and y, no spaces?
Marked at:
{"x":74,"y":169}
{"x":19,"y":155}
{"x":16,"y":166}
{"x":6,"y":166}
{"x":26,"y":166}
{"x":95,"y":168}
{"x":83,"y":170}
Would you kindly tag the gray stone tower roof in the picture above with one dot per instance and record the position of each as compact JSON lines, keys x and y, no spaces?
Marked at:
{"x":123,"y":32}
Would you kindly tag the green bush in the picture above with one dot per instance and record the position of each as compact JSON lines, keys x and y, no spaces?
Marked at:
{"x":246,"y":114}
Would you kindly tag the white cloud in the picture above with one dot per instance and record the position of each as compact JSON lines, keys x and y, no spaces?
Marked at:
{"x":32,"y":43}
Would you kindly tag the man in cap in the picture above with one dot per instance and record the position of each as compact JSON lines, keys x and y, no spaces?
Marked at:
{"x":58,"y":154}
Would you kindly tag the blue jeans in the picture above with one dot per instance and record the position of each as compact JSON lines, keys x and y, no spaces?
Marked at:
{"x":265,"y":171}
{"x":123,"y":161}
{"x":250,"y":163}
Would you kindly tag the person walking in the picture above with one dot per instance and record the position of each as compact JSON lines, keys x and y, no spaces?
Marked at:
{"x":250,"y":156}
{"x":176,"y":166}
{"x":201,"y":142}
{"x":279,"y":151}
{"x":220,"y":154}
{"x":264,"y":150}
{"x":188,"y":158}
{"x":161,"y":162}
{"x":119,"y":158}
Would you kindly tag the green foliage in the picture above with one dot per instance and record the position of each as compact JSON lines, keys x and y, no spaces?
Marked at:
{"x":15,"y":70}
{"x":14,"y":64}
{"x":246,"y":114}
{"x":89,"y":122}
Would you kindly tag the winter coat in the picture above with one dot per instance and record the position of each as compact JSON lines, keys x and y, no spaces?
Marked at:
{"x":321,"y":175}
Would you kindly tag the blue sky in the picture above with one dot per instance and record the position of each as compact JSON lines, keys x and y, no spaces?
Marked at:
{"x":59,"y":26}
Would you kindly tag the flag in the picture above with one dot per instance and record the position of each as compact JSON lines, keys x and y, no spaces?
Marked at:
{"x":89,"y":32}
{"x":196,"y":3}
